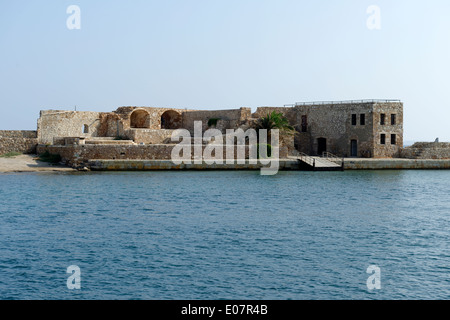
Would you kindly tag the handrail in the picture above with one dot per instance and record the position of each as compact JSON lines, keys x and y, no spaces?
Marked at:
{"x":307,"y":159}
{"x":343,"y":102}
{"x":333,"y":158}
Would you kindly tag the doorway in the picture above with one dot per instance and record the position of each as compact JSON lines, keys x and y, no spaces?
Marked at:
{"x":321,"y":146}
{"x":354,"y":148}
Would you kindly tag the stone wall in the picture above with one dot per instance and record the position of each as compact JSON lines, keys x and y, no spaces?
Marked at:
{"x":149,"y":136}
{"x":232,"y":118}
{"x":388,"y":149}
{"x":77,"y":154}
{"x":427,"y":150}
{"x":18,"y":141}
{"x":173,"y":118}
{"x":57,"y":124}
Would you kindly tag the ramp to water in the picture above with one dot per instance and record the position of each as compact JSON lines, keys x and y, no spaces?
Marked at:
{"x":319,"y":163}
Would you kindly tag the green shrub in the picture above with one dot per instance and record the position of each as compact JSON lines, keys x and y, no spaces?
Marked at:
{"x":50,"y":158}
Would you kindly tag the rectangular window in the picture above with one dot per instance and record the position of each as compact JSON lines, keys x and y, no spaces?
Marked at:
{"x":393,"y":139}
{"x":304,"y":123}
{"x":362,"y":119}
{"x":393,"y":119}
{"x":382,"y":138}
{"x":382,"y":119}
{"x":353,"y":119}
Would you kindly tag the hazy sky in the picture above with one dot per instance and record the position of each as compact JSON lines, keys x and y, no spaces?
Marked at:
{"x":223,"y":54}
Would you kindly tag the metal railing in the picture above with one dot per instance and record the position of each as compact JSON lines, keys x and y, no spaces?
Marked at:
{"x":313,"y":103}
{"x":307,"y":159}
{"x":333,"y":158}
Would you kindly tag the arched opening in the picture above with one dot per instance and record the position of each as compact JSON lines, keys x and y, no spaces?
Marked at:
{"x":171,"y":120}
{"x":140,"y":119}
{"x":86,"y":128}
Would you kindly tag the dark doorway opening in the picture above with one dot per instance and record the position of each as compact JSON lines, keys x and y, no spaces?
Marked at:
{"x":354,"y":148}
{"x":321,"y":146}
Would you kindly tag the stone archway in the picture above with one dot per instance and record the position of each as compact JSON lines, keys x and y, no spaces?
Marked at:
{"x":140,"y":119}
{"x":171,"y":120}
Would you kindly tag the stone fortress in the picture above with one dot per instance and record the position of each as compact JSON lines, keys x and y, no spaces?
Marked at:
{"x":349,"y":129}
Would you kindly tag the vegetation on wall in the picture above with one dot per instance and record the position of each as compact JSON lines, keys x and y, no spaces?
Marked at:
{"x":275,"y":120}
{"x":50,"y":158}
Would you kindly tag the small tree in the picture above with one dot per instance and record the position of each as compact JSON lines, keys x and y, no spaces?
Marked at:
{"x":275,"y":120}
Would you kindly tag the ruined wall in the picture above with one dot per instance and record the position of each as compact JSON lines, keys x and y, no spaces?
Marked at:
{"x":56,"y":124}
{"x":174,"y":117}
{"x":149,"y":136}
{"x":231,"y":118}
{"x":427,"y":150}
{"x":18,"y":141}
{"x":388,"y":149}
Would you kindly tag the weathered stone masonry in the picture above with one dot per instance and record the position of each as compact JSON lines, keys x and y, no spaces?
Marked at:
{"x":18,"y":141}
{"x":363,"y":129}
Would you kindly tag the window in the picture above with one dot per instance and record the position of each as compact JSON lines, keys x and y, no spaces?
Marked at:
{"x":353,"y":119}
{"x":362,"y":119}
{"x":382,"y":138}
{"x":393,"y":119}
{"x":304,"y":123}
{"x":393,"y":139}
{"x":382,"y":119}
{"x":85,"y":128}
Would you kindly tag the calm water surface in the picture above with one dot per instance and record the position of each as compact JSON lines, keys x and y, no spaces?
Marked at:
{"x":225,"y":235}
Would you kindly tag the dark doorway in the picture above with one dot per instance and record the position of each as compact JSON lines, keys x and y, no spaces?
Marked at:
{"x":354,"y":148}
{"x":321,"y":146}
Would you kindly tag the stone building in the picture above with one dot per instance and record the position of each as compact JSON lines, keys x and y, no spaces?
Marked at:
{"x":366,"y":128}
{"x":372,"y":129}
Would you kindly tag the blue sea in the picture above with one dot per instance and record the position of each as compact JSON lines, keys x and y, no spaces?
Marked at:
{"x":225,"y":235}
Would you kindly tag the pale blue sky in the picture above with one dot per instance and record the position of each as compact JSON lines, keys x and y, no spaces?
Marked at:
{"x":223,"y":54}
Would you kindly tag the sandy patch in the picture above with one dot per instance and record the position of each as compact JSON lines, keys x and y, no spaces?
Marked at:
{"x":29,"y":163}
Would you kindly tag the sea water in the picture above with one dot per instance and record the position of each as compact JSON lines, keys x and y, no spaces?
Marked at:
{"x":225,"y":235}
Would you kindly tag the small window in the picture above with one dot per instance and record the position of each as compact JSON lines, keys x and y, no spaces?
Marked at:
{"x":382,"y":138}
{"x":85,"y":128}
{"x":393,"y":139}
{"x":304,"y":123}
{"x":393,"y":119}
{"x":353,"y":119}
{"x":382,"y":119}
{"x":362,"y":119}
